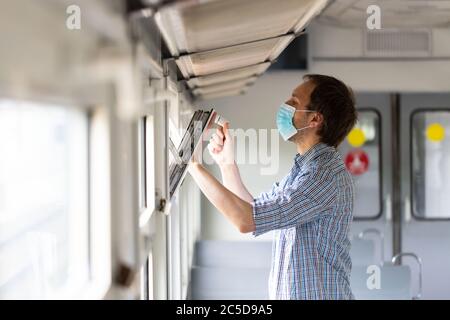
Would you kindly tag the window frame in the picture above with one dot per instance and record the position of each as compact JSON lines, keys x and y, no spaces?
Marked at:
{"x":100,"y":277}
{"x":147,"y":205}
{"x":380,"y":169}
{"x":142,"y":190}
{"x":411,"y":159}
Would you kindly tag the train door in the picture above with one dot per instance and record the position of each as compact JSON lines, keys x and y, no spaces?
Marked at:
{"x":367,"y":155}
{"x":425,"y":176}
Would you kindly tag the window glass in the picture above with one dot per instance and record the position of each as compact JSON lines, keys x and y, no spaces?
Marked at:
{"x":44,"y":241}
{"x":150,"y":163}
{"x":361,"y":154}
{"x":430,"y":133}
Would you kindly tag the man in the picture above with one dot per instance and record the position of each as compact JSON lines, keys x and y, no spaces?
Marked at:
{"x":310,"y":210}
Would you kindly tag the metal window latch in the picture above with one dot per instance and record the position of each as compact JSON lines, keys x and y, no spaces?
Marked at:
{"x":125,"y":275}
{"x":174,"y":152}
{"x":162,"y":205}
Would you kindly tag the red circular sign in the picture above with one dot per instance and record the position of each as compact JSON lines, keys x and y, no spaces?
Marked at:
{"x":357,"y":162}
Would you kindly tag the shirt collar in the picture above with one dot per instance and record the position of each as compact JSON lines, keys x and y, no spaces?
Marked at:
{"x":312,"y":153}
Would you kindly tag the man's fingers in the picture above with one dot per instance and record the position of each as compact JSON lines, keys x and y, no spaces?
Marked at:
{"x":217,"y":139}
{"x":215,"y":147}
{"x":219,"y":132}
{"x":226,"y":132}
{"x":211,"y":149}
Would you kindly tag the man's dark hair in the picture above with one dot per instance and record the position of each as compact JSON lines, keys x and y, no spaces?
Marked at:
{"x":336,"y":102}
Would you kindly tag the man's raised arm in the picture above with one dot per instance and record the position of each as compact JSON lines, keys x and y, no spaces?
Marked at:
{"x":237,"y":210}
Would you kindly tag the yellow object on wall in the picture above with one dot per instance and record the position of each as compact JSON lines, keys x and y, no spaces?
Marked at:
{"x":435,"y":132}
{"x":356,"y":137}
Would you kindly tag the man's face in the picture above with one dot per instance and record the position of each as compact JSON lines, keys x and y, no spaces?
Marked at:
{"x":300,"y":100}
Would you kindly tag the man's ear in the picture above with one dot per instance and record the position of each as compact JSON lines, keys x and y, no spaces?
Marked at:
{"x":316,"y":120}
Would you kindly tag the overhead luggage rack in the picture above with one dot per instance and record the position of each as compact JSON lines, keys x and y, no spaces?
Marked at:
{"x":216,"y":41}
{"x":224,"y":86}
{"x":229,"y":75}
{"x":219,"y":94}
{"x":232,"y":57}
{"x":195,"y":26}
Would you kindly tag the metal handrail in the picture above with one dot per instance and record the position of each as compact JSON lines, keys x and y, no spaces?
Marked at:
{"x":380,"y":236}
{"x":419,"y":262}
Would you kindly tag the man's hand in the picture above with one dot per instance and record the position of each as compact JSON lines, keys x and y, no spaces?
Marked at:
{"x":221,"y":146}
{"x":221,"y":149}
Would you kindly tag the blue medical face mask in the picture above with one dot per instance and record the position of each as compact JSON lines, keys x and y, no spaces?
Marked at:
{"x":285,"y":123}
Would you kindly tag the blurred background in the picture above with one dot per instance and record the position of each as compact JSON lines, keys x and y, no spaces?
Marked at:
{"x":96,"y":96}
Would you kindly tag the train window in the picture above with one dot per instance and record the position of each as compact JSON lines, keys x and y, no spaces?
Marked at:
{"x":185,"y":204}
{"x":150,"y":163}
{"x":361,"y":155}
{"x":44,"y":249}
{"x":142,"y":164}
{"x":146,"y":195}
{"x":430,"y":147}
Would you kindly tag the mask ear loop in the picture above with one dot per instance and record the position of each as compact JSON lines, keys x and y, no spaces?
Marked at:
{"x":304,"y":128}
{"x":307,"y":126}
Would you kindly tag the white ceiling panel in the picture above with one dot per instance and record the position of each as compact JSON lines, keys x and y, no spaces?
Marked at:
{"x":193,"y":26}
{"x":229,"y":75}
{"x":213,"y":61}
{"x":394,"y":13}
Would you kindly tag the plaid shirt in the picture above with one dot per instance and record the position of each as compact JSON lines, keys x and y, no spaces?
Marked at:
{"x":311,"y":213}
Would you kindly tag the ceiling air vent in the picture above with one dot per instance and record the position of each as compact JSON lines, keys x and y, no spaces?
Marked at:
{"x":398,"y":43}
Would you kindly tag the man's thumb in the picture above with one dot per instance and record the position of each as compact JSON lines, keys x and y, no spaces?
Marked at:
{"x":226,"y":125}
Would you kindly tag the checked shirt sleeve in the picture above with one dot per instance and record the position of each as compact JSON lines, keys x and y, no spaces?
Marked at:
{"x":307,"y":198}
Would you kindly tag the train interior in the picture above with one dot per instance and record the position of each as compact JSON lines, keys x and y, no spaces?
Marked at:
{"x":97,"y":98}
